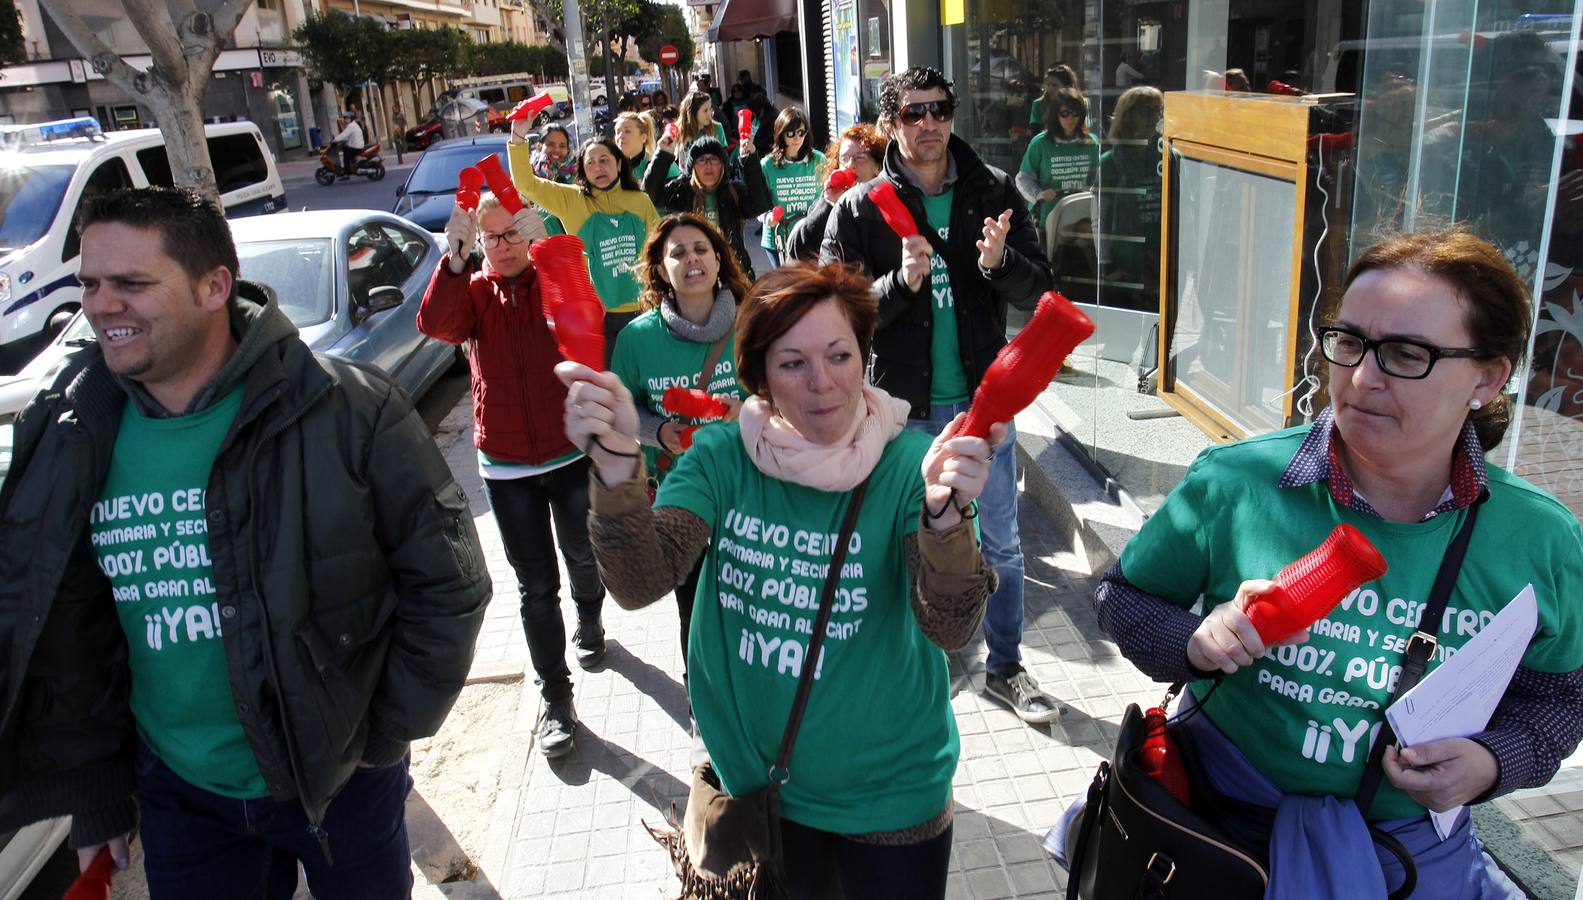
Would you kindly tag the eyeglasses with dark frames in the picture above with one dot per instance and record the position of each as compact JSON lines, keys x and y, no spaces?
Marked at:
{"x":1397,"y":357}
{"x":511,"y":237}
{"x":1069,"y":114}
{"x":913,"y":113}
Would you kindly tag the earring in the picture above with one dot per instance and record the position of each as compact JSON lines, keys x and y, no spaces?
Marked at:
{"x":1475,"y":403}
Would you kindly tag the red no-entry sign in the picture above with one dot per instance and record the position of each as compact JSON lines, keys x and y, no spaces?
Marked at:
{"x":668,"y":55}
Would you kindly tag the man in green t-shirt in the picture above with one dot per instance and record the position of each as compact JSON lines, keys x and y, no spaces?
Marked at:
{"x":942,"y":301}
{"x":243,"y":580}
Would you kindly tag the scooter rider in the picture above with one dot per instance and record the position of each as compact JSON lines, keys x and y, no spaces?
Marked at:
{"x":351,"y":141}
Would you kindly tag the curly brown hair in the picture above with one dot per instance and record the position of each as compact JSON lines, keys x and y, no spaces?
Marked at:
{"x":652,"y":258}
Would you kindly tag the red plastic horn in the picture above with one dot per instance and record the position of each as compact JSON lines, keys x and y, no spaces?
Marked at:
{"x":686,"y":437}
{"x":841,"y":179}
{"x":530,"y":108}
{"x":692,"y":404}
{"x":1025,"y":366}
{"x":94,"y":882}
{"x":1161,"y":759}
{"x":893,"y":210}
{"x":671,"y":131}
{"x":469,"y":182}
{"x":576,"y":316}
{"x":776,"y":214}
{"x":1281,"y":87}
{"x":745,"y":124}
{"x":1308,"y":589}
{"x":500,"y":183}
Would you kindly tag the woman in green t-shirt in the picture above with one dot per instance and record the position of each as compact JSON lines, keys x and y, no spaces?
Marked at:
{"x":868,"y":802}
{"x":792,"y":173}
{"x":1061,"y":159}
{"x":691,"y":288}
{"x":1429,"y":329}
{"x":695,"y":121}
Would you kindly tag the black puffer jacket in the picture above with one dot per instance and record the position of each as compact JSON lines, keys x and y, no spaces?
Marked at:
{"x":350,"y":582}
{"x":857,"y":234}
{"x":738,"y":201}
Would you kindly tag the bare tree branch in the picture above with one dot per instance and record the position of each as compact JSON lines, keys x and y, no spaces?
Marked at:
{"x":97,"y":52}
{"x":153,"y":23}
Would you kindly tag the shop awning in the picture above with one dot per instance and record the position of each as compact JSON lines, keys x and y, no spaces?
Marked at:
{"x":744,"y":20}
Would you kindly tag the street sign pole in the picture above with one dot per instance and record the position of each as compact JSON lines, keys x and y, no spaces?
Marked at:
{"x":577,"y":64}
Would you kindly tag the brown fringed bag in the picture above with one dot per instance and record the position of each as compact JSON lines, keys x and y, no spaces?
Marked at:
{"x":729,"y":848}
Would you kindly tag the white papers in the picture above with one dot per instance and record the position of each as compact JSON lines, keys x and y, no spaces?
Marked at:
{"x":1457,"y":698}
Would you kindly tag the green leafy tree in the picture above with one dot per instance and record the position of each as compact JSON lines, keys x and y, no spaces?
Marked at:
{"x":667,"y":25}
{"x":346,"y":51}
{"x":183,"y":42}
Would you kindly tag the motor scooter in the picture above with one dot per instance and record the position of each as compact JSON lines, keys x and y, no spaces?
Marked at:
{"x":366,"y":163}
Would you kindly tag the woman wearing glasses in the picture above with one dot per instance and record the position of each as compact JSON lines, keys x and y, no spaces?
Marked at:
{"x":1062,"y":158}
{"x":532,"y":473}
{"x":1429,"y":330}
{"x":792,"y":173}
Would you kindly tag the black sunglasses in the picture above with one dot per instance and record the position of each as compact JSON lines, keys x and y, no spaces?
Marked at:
{"x":797,"y":132}
{"x":913,"y":113}
{"x":1396,"y":356}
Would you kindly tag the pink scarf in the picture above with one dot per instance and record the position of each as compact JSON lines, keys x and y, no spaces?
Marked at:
{"x":780,"y":451}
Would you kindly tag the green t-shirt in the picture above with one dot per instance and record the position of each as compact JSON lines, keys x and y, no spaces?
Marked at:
{"x":150,"y":533}
{"x":1036,"y":112}
{"x":1304,"y":714}
{"x":711,"y":210}
{"x":613,"y":241}
{"x":949,"y":384}
{"x":794,"y":187}
{"x":649,"y":359}
{"x":878,"y":744}
{"x":1129,"y":177}
{"x":552,"y":225}
{"x":1065,"y":166}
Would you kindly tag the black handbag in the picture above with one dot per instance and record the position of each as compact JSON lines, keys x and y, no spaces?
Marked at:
{"x":729,"y":848}
{"x":1137,"y":840}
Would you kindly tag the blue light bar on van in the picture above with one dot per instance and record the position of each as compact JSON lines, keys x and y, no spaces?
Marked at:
{"x":16,"y":137}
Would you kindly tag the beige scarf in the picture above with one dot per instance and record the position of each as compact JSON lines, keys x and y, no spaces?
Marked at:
{"x":780,"y":451}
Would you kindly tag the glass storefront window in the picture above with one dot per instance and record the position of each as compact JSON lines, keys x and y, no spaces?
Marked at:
{"x":1460,"y":111}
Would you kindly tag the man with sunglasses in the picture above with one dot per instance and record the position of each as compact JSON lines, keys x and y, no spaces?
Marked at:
{"x":532,"y":473}
{"x":942,"y":310}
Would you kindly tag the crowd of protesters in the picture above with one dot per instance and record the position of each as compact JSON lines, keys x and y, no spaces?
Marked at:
{"x":354,"y":591}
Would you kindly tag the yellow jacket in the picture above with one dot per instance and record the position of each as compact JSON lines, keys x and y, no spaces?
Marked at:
{"x":568,"y":203}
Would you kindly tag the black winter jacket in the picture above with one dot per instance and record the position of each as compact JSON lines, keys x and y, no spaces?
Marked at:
{"x":738,"y":201}
{"x":857,"y":234}
{"x":349,"y":576}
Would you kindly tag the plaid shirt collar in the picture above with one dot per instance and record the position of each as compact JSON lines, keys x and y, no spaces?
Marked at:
{"x":1318,"y":459}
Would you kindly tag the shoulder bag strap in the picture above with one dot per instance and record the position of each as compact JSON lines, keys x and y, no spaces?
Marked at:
{"x":715,"y":349}
{"x":780,"y":772}
{"x":1420,"y":647}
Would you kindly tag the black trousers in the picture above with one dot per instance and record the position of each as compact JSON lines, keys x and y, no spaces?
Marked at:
{"x":524,"y":508}
{"x":825,"y":866}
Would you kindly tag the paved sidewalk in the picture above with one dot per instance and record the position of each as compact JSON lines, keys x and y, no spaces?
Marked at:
{"x":573,"y":828}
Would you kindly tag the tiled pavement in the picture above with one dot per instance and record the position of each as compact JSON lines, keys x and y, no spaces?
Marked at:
{"x":573,"y":828}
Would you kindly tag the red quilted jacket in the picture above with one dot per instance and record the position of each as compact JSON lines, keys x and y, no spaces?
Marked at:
{"x":518,"y":403}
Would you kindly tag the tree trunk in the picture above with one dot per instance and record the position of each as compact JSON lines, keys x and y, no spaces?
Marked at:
{"x":183,"y":43}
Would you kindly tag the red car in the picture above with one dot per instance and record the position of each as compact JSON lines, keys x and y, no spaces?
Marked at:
{"x":431,"y":129}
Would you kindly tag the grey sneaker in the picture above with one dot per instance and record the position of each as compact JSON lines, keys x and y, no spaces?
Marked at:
{"x":1020,"y":692}
{"x":556,"y":727}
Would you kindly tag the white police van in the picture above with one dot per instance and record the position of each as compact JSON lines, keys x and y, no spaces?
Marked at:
{"x":49,"y":170}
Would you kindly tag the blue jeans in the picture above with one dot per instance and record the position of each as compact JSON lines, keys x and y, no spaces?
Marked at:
{"x":198,"y":845}
{"x":997,"y":525}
